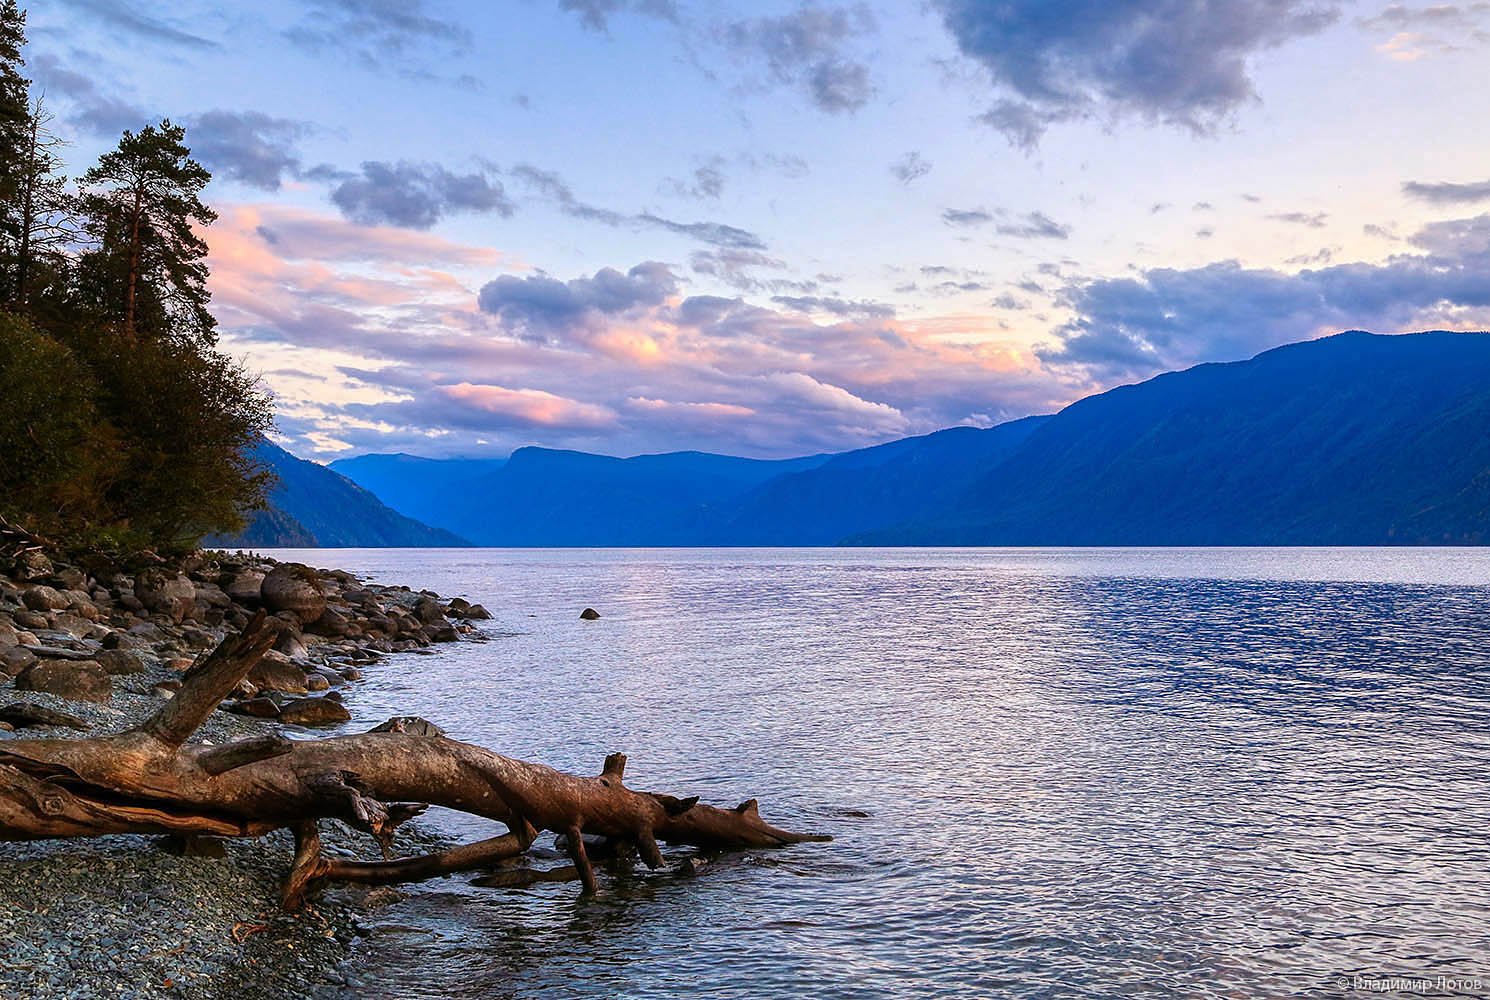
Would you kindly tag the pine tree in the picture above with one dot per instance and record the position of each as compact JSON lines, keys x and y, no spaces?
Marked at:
{"x":40,"y":227}
{"x":14,"y":110}
{"x":139,"y":204}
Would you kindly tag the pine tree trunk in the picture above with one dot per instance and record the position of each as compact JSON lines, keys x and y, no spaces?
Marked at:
{"x":134,"y":264}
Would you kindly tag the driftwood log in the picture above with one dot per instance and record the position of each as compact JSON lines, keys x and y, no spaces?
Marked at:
{"x":150,"y":780}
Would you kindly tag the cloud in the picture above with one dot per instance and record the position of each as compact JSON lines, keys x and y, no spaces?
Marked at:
{"x":1028,"y":226}
{"x":540,"y":307}
{"x":1439,"y":27}
{"x":834,"y":306}
{"x":1313,"y":220}
{"x":554,"y":187}
{"x":966,"y":217}
{"x":1033,"y":226}
{"x":90,"y":109}
{"x":1179,"y":62}
{"x":1166,"y":318}
{"x":247,"y":146}
{"x":806,"y":49}
{"x":415,"y":195}
{"x":596,"y":14}
{"x":127,"y":18}
{"x":378,"y":32}
{"x":527,"y":406}
{"x":910,"y":167}
{"x":707,"y":182}
{"x":383,"y":338}
{"x":1448,"y":192}
{"x":739,"y":269}
{"x":300,"y":235}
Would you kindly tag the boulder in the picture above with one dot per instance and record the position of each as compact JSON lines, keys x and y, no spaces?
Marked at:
{"x":244,"y":587}
{"x":32,"y":619}
{"x":290,"y":646}
{"x":119,"y":662}
{"x":293,"y":587}
{"x":81,"y":604}
{"x":429,"y":610}
{"x":332,"y":624}
{"x":169,"y":594}
{"x":590,"y":615}
{"x":314,"y":712}
{"x":259,"y":708}
{"x":76,"y":680}
{"x":32,"y":565}
{"x":39,"y":598}
{"x":14,"y":659}
{"x":444,"y":632}
{"x":69,"y":578}
{"x":278,"y":674}
{"x":411,"y":724}
{"x":465,"y":610}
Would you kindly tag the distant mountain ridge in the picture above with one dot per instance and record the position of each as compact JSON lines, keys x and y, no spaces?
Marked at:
{"x":1355,"y":439}
{"x":311,"y":506}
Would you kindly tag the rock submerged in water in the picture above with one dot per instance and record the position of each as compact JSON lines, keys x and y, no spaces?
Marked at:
{"x":590,"y":615}
{"x":297,"y":588}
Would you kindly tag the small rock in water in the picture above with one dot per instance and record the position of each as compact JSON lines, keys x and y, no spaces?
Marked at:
{"x":314,"y":712}
{"x":590,"y":615}
{"x":408,"y":724}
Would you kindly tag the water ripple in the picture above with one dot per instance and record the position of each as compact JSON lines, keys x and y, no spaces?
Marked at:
{"x":1210,"y":773}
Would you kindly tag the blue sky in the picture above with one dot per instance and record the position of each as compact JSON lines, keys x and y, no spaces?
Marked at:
{"x":456,"y":228}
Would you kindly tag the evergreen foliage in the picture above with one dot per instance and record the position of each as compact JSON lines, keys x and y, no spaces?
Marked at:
{"x":123,"y":426}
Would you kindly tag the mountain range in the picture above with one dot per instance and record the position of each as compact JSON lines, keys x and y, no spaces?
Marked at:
{"x":311,"y":506}
{"x":1355,"y":439}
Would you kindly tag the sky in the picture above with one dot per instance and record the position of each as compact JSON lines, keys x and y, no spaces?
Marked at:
{"x":456,"y":228}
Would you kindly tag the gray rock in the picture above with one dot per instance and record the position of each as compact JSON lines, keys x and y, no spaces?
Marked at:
{"x":411,"y":724}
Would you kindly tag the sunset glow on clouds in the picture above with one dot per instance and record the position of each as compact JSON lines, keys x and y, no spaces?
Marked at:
{"x":797,"y":228}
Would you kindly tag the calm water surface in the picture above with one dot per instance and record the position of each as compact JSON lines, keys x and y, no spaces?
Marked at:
{"x":1216,"y":773}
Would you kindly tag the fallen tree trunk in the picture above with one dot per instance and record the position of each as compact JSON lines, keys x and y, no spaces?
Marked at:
{"x":150,"y":780}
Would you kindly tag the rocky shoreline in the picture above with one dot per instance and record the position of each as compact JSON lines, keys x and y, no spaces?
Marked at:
{"x":92,"y":650}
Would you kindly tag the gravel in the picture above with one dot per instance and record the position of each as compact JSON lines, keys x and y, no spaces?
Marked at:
{"x":123,"y":916}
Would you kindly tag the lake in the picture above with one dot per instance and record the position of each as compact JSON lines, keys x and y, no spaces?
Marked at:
{"x":1119,"y":772}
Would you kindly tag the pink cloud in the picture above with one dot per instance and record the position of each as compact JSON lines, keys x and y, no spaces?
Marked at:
{"x":532,"y":406}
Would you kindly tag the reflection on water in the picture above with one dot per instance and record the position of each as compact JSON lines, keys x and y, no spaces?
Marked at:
{"x":1118,"y":772}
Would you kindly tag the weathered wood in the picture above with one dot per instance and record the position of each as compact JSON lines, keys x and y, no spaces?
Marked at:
{"x":149,"y":780}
